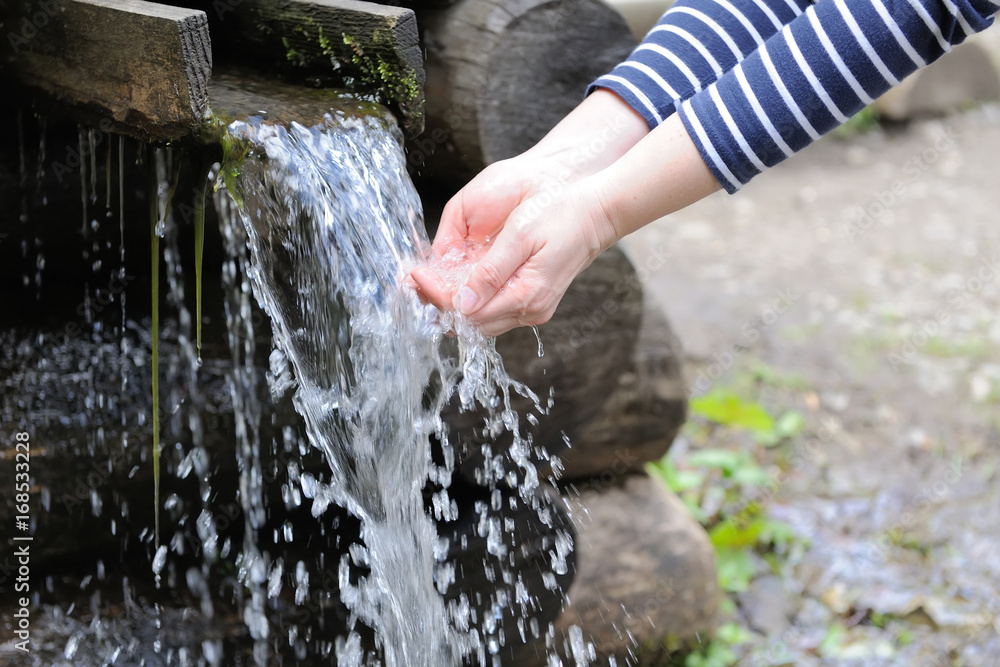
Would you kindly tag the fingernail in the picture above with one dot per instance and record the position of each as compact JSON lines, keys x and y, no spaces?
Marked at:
{"x":467,"y":300}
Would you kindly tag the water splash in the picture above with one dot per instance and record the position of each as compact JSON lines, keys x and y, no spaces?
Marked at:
{"x":200,"y":193}
{"x":334,"y":226}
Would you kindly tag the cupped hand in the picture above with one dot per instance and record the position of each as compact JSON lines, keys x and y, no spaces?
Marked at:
{"x":526,"y":249}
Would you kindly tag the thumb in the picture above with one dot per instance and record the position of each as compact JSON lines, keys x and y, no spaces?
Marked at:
{"x":492,"y":272}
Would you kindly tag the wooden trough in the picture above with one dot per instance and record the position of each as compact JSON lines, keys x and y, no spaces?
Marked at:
{"x":145,"y":69}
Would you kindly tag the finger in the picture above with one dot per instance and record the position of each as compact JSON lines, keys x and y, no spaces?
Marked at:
{"x":492,"y":272}
{"x":432,"y":288}
{"x":498,"y":327}
{"x":453,"y":226}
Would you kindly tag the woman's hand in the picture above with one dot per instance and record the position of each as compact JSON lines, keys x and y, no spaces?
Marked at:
{"x":530,"y":232}
{"x":526,"y":261}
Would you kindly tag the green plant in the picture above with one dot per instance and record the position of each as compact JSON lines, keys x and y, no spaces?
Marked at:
{"x":862,"y":122}
{"x":728,"y":488}
{"x":719,"y":652}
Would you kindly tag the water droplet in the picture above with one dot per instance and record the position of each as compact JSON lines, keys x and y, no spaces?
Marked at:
{"x":160,"y":559}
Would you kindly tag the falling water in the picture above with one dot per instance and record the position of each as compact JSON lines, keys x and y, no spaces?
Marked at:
{"x":333,"y":226}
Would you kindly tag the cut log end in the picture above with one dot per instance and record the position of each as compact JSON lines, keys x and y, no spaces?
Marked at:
{"x":500,"y":76}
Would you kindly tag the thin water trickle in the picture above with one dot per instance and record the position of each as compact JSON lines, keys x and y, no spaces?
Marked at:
{"x":333,"y":226}
{"x":248,"y":411}
{"x":40,"y":165}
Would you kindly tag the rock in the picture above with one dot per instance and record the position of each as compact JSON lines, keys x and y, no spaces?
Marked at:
{"x":641,"y":15}
{"x":646,"y":579}
{"x":766,"y":605}
{"x":964,"y":75}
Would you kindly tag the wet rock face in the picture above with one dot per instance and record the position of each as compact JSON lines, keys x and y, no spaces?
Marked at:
{"x":646,"y":571}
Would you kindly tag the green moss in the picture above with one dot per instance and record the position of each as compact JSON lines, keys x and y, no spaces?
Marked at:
{"x":234,"y":153}
{"x":199,"y":243}
{"x":291,"y":54}
{"x":155,"y":352}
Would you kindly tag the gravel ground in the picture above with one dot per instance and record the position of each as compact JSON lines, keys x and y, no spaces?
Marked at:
{"x":870,"y":267}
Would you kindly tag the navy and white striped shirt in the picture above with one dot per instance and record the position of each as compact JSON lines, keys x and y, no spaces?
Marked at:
{"x":757,"y":80}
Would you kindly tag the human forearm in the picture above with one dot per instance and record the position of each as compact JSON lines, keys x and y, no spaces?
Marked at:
{"x":597,"y":132}
{"x":663,"y":173}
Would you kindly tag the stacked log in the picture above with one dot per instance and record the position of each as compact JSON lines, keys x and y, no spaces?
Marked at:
{"x":131,"y":67}
{"x":500,"y":75}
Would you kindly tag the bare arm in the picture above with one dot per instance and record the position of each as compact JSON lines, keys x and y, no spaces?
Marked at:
{"x":553,"y":234}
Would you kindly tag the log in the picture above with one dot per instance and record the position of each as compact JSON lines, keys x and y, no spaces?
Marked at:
{"x":371,"y":49}
{"x":613,"y":366}
{"x":500,"y":75}
{"x":128,"y":66}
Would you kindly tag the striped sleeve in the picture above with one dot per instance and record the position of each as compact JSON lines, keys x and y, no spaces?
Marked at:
{"x":817,"y":72}
{"x":692,"y":45}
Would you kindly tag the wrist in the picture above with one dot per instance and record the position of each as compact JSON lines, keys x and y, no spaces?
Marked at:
{"x":594,"y":135}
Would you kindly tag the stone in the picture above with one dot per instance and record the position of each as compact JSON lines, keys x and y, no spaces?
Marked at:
{"x":766,"y":605}
{"x":646,"y":580}
{"x":966,"y":74}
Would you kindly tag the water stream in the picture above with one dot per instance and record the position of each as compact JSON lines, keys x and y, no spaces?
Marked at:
{"x":451,"y":550}
{"x":333,"y":225}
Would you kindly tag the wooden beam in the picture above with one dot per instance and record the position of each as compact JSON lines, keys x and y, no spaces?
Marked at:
{"x":367,"y":48}
{"x":138,"y":68}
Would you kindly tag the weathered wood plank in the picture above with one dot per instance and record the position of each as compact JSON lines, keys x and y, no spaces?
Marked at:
{"x":368,"y":48}
{"x":139,"y":66}
{"x":236,"y":94}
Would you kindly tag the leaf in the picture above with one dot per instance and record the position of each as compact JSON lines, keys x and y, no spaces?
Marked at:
{"x":776,"y":532}
{"x":733,"y":534}
{"x":726,"y":408}
{"x":751,"y":475}
{"x":831,"y":644}
{"x":722,"y":459}
{"x":735,"y":569}
{"x":674,"y":479}
{"x":733,"y":634}
{"x":787,"y":426}
{"x":790,"y":424}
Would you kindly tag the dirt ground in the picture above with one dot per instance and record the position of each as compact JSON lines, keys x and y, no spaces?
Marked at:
{"x":869,"y":267}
